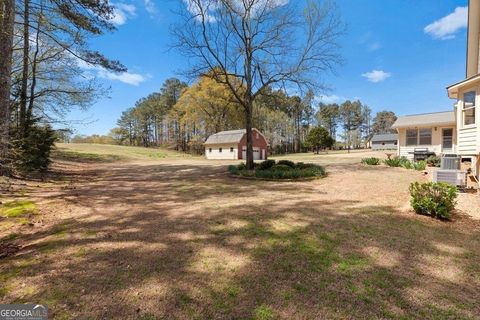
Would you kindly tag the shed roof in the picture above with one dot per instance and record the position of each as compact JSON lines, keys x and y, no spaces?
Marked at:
{"x":425,"y":119}
{"x":385,"y":137}
{"x":232,"y":136}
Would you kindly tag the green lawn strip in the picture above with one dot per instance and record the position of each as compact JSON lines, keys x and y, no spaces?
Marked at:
{"x":18,"y":208}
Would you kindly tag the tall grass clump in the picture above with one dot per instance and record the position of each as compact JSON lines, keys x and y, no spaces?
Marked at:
{"x":371,"y":161}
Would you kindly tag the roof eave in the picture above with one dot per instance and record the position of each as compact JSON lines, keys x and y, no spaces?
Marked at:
{"x":436,"y":124}
{"x":454,"y":88}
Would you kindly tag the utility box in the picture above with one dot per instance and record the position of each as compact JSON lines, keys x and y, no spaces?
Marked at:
{"x":451,"y":162}
{"x":453,"y":177}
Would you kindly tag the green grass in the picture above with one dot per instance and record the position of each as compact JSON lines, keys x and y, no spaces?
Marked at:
{"x":18,"y":208}
{"x":85,"y":152}
{"x":263,"y":312}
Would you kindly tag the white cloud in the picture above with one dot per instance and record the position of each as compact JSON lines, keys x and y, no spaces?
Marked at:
{"x":329,"y":99}
{"x":150,"y":7}
{"x":446,"y":27}
{"x":133,"y":79}
{"x":207,"y":7}
{"x":377,"y":75}
{"x":122,"y":12}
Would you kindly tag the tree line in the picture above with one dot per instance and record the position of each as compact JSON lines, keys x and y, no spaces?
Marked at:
{"x":182,"y":117}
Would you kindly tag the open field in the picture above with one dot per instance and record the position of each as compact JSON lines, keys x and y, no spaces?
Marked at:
{"x":109,"y":153}
{"x":174,"y":237}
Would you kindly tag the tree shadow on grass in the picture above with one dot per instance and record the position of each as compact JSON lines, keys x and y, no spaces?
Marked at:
{"x":190,"y":244}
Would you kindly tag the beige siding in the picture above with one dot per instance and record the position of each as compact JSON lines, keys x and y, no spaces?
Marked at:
{"x":224,"y":155}
{"x":468,"y":136}
{"x":436,"y":146}
{"x":467,"y":141}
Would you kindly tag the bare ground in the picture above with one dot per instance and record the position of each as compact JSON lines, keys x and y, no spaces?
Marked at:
{"x":181,"y":239}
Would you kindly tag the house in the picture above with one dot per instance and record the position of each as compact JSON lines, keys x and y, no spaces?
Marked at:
{"x":432,"y":131}
{"x":456,"y":131}
{"x":467,"y":93}
{"x":232,"y":145}
{"x":384,"y":142}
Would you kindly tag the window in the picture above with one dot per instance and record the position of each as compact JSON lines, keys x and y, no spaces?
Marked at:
{"x":209,"y":149}
{"x":447,"y":138}
{"x":412,"y":135}
{"x":425,"y":136}
{"x":469,"y":108}
{"x":231,"y":149}
{"x":219,"y":149}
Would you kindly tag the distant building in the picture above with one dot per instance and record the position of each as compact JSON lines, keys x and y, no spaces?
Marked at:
{"x":232,"y":145}
{"x":384,"y":142}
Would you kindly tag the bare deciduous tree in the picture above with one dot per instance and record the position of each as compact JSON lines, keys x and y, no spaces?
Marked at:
{"x":250,"y":45}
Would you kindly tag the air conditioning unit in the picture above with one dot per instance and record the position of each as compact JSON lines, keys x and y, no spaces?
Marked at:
{"x":451,"y":162}
{"x":453,"y":177}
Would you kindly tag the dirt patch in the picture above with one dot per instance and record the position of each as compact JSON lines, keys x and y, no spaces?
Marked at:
{"x":179,"y":238}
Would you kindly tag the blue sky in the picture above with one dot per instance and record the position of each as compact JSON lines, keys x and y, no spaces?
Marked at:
{"x":399,"y":55}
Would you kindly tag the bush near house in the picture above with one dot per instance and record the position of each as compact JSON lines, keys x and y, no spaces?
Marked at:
{"x":405,"y":163}
{"x":433,"y":199}
{"x":269,"y":169}
{"x":371,"y":161}
{"x":396,"y":162}
{"x":433,"y":161}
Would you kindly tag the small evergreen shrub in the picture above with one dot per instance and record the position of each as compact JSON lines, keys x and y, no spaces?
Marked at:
{"x":233,"y":169}
{"x":282,"y":167}
{"x":434,"y":161}
{"x":371,"y":161}
{"x":433,"y":199}
{"x":30,"y":151}
{"x":267,"y":164}
{"x":289,"y":163}
{"x":242,"y":166}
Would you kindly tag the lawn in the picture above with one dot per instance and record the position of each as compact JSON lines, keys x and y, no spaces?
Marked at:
{"x":179,"y":238}
{"x":87,"y":152}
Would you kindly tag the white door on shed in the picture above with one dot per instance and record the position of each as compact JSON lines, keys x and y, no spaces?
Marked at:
{"x":256,"y":154}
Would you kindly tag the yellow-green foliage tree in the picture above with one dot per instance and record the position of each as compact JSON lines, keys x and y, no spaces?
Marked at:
{"x":208,"y":107}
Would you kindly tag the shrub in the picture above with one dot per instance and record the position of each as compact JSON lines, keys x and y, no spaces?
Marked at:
{"x":371,"y":161}
{"x":408,"y":164}
{"x":242,"y":166}
{"x":420,"y":165}
{"x":267,"y":164}
{"x":30,"y":152}
{"x":394,"y":162}
{"x":233,"y":169}
{"x":434,"y":161}
{"x":280,"y":171}
{"x":281,"y":167}
{"x":301,"y":165}
{"x":433,"y":199}
{"x":289,"y":163}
